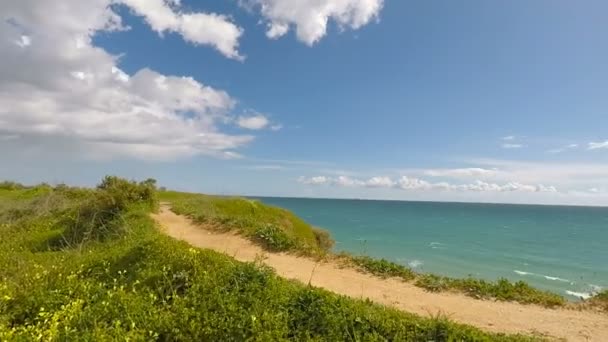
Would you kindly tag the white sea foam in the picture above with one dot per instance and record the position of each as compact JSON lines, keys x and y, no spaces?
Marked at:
{"x":557,"y":279}
{"x":541,"y":275}
{"x":437,"y":245}
{"x":583,"y":295}
{"x":596,"y":288}
{"x":415,"y":263}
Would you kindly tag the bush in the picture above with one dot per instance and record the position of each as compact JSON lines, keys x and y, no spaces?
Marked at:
{"x":99,"y":217}
{"x":8,"y":185}
{"x":381,"y":267}
{"x":502,"y":289}
{"x":273,"y":238}
{"x":600,"y":300}
{"x":324,"y":240}
{"x":124,"y":191}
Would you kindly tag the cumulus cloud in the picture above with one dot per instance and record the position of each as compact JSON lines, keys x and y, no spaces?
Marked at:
{"x":255,"y":122}
{"x":57,"y":89}
{"x":508,"y":137}
{"x":198,"y":28}
{"x":317,"y":180}
{"x":597,"y":145}
{"x":379,"y":182}
{"x":311,"y":17}
{"x":413,"y":183}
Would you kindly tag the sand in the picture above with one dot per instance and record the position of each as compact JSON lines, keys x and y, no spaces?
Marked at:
{"x":493,"y":316}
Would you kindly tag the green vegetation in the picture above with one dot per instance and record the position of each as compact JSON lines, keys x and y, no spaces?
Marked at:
{"x":119,"y":278}
{"x":273,"y":228}
{"x":600,"y":300}
{"x":501,"y":290}
{"x":379,"y":267}
{"x":279,"y":230}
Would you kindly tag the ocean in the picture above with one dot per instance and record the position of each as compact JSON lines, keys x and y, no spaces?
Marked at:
{"x":563,"y":249}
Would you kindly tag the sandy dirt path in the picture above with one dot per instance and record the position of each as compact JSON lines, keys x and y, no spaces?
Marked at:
{"x":572,"y":325}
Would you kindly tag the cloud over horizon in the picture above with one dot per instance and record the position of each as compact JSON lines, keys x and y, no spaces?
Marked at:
{"x":413,"y":183}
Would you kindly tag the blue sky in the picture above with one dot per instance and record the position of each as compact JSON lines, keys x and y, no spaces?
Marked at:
{"x":431,"y":100}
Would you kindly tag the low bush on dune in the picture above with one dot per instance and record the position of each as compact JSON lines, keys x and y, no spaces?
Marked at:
{"x":600,"y":300}
{"x":100,"y":216}
{"x":8,"y":185}
{"x":142,"y":285}
{"x":379,"y":267}
{"x":502,"y":289}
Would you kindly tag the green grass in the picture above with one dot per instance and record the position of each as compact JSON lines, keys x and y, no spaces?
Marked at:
{"x":600,"y":300}
{"x":273,"y":228}
{"x":502,"y":289}
{"x":137,"y":284}
{"x":380,"y":267}
{"x":279,"y":230}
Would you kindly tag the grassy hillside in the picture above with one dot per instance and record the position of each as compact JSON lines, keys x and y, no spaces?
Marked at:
{"x":79,"y":264}
{"x":274,"y":228}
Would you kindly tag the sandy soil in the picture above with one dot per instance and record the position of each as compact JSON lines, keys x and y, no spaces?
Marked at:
{"x":572,"y":325}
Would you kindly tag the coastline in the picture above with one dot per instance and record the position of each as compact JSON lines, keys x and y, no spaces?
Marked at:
{"x":558,"y":249}
{"x":494,"y":316}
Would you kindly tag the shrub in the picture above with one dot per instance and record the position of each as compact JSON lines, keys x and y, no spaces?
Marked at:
{"x":381,"y":267}
{"x":273,"y":238}
{"x":126,"y":191}
{"x":600,"y":300}
{"x":432,"y":282}
{"x":98,"y":217}
{"x":502,"y":289}
{"x":324,"y":240}
{"x":8,"y":185}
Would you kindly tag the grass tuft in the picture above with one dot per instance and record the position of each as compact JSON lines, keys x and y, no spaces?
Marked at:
{"x":502,"y":289}
{"x":379,"y":267}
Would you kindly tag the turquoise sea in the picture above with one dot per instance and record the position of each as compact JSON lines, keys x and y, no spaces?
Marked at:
{"x":559,"y":248}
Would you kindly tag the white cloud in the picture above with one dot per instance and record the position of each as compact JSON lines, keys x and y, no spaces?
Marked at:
{"x":347,"y":181}
{"x":563,"y":148}
{"x":24,"y":41}
{"x":512,"y":146}
{"x":413,"y":183}
{"x":198,"y":28}
{"x":508,"y":137}
{"x":276,"y":127}
{"x":310,"y":17}
{"x":564,"y":174}
{"x":317,"y":180}
{"x":62,"y":93}
{"x":253,"y":122}
{"x":597,"y":145}
{"x":379,"y":182}
{"x":472,"y":172}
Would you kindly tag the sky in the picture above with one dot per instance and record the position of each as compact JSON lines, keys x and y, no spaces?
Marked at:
{"x":470,"y":100}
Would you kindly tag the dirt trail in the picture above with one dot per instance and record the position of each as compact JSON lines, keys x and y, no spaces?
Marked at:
{"x":572,"y":325}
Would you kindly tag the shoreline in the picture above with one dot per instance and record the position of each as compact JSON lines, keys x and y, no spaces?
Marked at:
{"x":494,"y":316}
{"x":463,"y":240}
